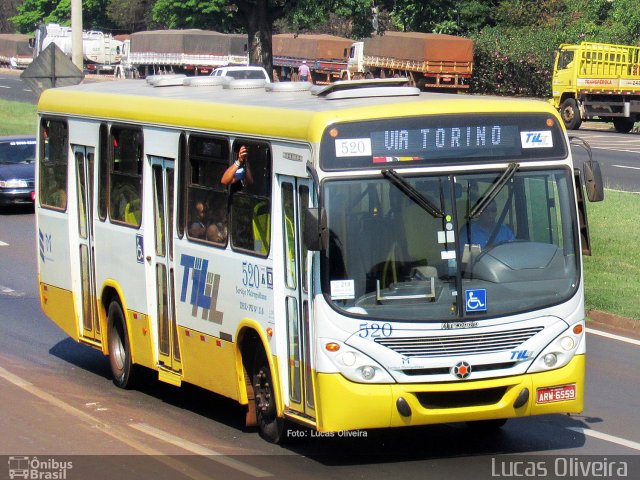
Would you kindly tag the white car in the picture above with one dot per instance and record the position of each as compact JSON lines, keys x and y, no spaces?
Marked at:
{"x":242,"y":73}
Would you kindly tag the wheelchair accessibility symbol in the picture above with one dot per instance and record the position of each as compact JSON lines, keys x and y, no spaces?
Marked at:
{"x":139,"y":249}
{"x":475,"y":300}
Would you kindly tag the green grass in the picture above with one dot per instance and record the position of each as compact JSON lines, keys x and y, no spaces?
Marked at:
{"x":17,"y":118}
{"x":612,"y":273}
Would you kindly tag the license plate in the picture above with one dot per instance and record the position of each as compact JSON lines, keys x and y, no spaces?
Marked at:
{"x":556,"y":394}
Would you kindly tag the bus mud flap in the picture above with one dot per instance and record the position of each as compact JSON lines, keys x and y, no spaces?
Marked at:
{"x":250,"y":419}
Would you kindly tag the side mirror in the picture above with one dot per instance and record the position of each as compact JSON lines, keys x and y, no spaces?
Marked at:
{"x":593,"y":181}
{"x":316,"y":233}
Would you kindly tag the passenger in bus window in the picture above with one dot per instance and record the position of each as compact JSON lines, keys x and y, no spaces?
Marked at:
{"x":485,"y":230}
{"x":239,"y":170}
{"x":198,"y":225}
{"x":217,"y":227}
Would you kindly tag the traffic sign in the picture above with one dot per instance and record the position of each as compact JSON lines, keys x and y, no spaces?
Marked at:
{"x":52,"y":68}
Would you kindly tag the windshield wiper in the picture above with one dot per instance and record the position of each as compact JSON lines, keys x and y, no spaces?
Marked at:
{"x":412,"y":193}
{"x":493,"y":191}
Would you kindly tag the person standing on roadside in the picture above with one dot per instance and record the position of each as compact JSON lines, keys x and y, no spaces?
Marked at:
{"x":303,"y":71}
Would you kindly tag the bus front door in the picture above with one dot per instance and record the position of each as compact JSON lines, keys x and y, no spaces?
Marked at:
{"x":295,"y":198}
{"x":84,"y":163}
{"x":163,"y":195}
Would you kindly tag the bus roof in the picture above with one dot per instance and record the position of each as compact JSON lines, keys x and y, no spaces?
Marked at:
{"x":295,"y":115}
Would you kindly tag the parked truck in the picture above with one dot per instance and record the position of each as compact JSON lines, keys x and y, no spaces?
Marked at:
{"x":597,"y":81}
{"x":430,"y":61}
{"x":194,"y":52}
{"x":100,"y":51}
{"x":15,"y":50}
{"x":325,"y":55}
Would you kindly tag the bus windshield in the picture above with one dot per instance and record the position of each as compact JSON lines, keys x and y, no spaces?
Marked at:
{"x":504,"y":244}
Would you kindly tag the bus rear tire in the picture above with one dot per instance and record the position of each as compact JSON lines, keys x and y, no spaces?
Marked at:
{"x":270,"y":426}
{"x":570,"y":114}
{"x":623,"y":125}
{"x":122,"y":367}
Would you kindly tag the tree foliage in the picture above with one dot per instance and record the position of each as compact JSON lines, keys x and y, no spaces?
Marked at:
{"x":514,"y":39}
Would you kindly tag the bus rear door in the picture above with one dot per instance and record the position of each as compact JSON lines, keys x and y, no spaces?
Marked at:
{"x":84,"y":163}
{"x":169,"y":358}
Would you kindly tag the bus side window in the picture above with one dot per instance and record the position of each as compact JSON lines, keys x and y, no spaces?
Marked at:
{"x":251,"y":201}
{"x":126,"y":175}
{"x":54,"y":153}
{"x":103,"y":172}
{"x":207,"y":199}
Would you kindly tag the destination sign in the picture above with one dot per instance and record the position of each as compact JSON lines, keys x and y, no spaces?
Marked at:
{"x":459,"y":138}
{"x":478,"y":140}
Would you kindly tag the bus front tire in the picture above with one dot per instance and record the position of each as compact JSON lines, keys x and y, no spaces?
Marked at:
{"x":270,"y":426}
{"x":623,"y":125}
{"x":570,"y":114}
{"x":122,"y":367}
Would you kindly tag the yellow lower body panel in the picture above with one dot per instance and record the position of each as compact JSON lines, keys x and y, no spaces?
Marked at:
{"x":209,"y":362}
{"x":57,"y":304}
{"x":345,"y":405}
{"x":141,"y":342}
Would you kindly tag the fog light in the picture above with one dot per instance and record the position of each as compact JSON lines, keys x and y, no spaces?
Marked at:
{"x":567,"y":343}
{"x":368,"y":372}
{"x":349,"y":359}
{"x":550,"y":359}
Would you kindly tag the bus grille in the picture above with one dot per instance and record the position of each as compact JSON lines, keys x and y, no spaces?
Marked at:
{"x":452,"y":345}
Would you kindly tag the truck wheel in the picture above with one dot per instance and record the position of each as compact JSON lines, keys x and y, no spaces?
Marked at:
{"x":623,"y":125}
{"x":271,"y":427}
{"x":122,"y":367}
{"x":570,"y":114}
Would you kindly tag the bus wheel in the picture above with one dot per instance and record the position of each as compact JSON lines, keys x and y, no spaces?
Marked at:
{"x":487,"y":425}
{"x":119,"y":348}
{"x":623,"y":125}
{"x":271,"y":427}
{"x":570,"y":114}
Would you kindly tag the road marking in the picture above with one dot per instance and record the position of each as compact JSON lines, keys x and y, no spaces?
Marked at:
{"x":111,"y":430}
{"x":3,"y":244}
{"x":606,"y":437}
{"x":613,"y":336}
{"x":624,"y":166}
{"x":4,"y":86}
{"x":200,"y":450}
{"x":10,"y":292}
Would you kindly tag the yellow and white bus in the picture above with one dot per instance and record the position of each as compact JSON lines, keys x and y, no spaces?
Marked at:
{"x":347,"y":283}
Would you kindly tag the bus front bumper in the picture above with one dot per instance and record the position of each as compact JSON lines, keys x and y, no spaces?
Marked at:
{"x":345,"y":405}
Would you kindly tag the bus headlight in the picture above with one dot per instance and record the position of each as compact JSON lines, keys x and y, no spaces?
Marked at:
{"x":550,"y":360}
{"x":558,"y":353}
{"x":368,"y":372}
{"x":355,"y":365}
{"x":567,"y":343}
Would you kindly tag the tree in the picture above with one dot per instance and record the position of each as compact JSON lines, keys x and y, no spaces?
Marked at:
{"x":256,"y":17}
{"x":8,"y":8}
{"x":32,"y":12}
{"x":129,"y":15}
{"x":205,"y":14}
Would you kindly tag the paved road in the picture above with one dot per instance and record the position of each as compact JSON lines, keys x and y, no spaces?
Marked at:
{"x":58,"y":401}
{"x":12,"y":88}
{"x":617,"y":153}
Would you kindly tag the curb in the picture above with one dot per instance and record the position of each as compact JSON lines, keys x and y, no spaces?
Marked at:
{"x":613,"y":323}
